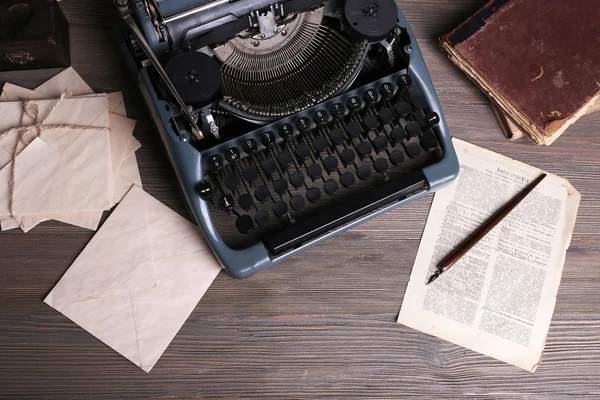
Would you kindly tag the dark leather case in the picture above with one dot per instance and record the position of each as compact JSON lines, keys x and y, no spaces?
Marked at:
{"x":34,"y":34}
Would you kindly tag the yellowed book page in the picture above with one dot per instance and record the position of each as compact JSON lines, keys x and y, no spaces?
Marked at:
{"x":499,"y":298}
{"x":513,"y":131}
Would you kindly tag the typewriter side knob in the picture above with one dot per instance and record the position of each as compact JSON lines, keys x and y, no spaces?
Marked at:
{"x":370,"y":20}
{"x":196,"y":76}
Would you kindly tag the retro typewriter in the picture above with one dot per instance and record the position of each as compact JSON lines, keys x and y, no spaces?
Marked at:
{"x":287,"y":122}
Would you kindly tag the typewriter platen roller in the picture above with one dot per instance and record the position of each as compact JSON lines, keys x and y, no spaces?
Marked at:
{"x":287,"y":122}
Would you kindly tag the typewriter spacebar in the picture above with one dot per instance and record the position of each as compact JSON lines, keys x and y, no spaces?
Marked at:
{"x":329,"y":219}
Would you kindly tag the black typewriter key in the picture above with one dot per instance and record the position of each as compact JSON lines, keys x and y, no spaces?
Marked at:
{"x":268,"y":165}
{"x":386,"y":116}
{"x":302,"y":124}
{"x":313,"y":194}
{"x":397,"y":157}
{"x":432,"y":119}
{"x":232,"y":154}
{"x":297,"y":179}
{"x":380,"y":143}
{"x":330,"y":163}
{"x":280,"y":209}
{"x":285,"y":131}
{"x":381,"y":165}
{"x":363,"y":172}
{"x":245,"y":201}
{"x":386,"y":90}
{"x":244,"y":224}
{"x":413,"y":150}
{"x":314,"y":171}
{"x":261,"y":217}
{"x":331,"y":187}
{"x":370,"y":96}
{"x":320,"y":144}
{"x":297,"y":202}
{"x":285,"y":158}
{"x":205,"y":190}
{"x":418,"y":101}
{"x":429,"y":142}
{"x":337,"y":110}
{"x":280,"y":186}
{"x":370,"y":122}
{"x":215,"y":162}
{"x":250,"y":173}
{"x":226,"y":202}
{"x":353,"y":129}
{"x":302,"y":151}
{"x":250,"y":146}
{"x":402,"y":109}
{"x":353,"y":103}
{"x":321,"y":117}
{"x":347,"y":179}
{"x":404,"y":81}
{"x":232,"y":181}
{"x":262,"y":193}
{"x":364,"y":149}
{"x":398,"y":135}
{"x":413,"y":129}
{"x":348,"y":156}
{"x":267,"y":139}
{"x":337,"y":136}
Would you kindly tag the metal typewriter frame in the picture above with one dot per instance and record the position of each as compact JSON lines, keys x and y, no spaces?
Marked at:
{"x":191,"y":169}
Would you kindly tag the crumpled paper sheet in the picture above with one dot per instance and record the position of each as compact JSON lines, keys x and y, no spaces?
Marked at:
{"x":138,"y":280}
{"x":121,"y":131}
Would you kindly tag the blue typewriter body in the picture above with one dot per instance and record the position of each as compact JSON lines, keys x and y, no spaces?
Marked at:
{"x":267,"y":181}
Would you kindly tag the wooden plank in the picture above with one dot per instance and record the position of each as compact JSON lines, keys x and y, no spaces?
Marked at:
{"x":314,"y":356}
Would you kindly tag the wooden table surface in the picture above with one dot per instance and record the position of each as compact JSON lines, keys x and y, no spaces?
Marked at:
{"x":323,"y":323}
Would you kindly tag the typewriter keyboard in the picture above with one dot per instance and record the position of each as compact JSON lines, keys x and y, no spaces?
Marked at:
{"x":314,"y":161}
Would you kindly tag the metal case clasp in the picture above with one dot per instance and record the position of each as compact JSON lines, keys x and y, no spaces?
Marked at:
{"x":20,"y":57}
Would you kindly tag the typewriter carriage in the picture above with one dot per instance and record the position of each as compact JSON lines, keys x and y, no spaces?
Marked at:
{"x":304,"y":58}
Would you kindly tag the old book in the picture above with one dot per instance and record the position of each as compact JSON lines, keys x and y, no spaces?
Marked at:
{"x":512,"y":131}
{"x":499,"y":298}
{"x":537,"y":60}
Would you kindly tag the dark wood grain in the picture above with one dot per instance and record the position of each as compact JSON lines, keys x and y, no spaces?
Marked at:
{"x":323,"y":323}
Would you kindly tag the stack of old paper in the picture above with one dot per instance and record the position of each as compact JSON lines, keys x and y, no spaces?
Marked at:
{"x":499,"y":298}
{"x":138,"y":279}
{"x":75,"y":159}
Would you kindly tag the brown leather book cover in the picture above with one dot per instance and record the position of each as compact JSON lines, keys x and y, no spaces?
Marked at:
{"x":538,"y":60}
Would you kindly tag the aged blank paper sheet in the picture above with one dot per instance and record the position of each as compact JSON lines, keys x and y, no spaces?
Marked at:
{"x":138,"y":279}
{"x":499,"y":298}
{"x":124,"y":169}
{"x":87,"y":152}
